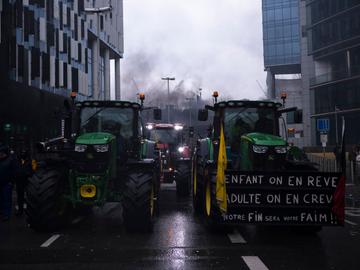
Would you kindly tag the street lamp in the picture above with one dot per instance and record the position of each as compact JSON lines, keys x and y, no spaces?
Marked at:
{"x":168,"y":79}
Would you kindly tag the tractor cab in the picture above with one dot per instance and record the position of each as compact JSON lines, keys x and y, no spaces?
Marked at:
{"x":251,"y":133}
{"x":108,"y":126}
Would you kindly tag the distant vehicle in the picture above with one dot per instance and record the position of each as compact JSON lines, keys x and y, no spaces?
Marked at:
{"x":174,"y":155}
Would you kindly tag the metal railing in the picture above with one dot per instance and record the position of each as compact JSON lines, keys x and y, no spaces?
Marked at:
{"x":327,"y":164}
{"x":335,"y":76}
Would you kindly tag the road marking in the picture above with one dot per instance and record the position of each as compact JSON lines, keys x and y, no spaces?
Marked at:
{"x":48,"y":242}
{"x":236,"y":238}
{"x":352,"y":214}
{"x":352,"y":209}
{"x":350,"y":222}
{"x":77,"y":220}
{"x":254,"y":263}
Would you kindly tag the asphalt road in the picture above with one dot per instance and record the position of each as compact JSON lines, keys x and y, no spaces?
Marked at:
{"x":179,"y":241}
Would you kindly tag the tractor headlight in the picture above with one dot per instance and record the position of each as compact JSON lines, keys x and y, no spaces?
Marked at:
{"x":101,"y":148}
{"x":80,"y":148}
{"x":260,"y":149}
{"x":281,"y":149}
{"x":178,"y":127}
{"x":181,"y":149}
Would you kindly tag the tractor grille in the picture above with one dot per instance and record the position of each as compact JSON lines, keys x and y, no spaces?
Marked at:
{"x":90,"y":167}
{"x":270,"y":161}
{"x":91,"y":162}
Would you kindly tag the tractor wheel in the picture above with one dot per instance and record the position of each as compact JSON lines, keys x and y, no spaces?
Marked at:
{"x":139,"y":204}
{"x":46,"y":207}
{"x":183,"y":180}
{"x":197,"y":193}
{"x":212,"y":214}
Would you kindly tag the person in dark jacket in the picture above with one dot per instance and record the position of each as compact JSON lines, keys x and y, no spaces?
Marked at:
{"x":23,"y":173}
{"x":7,"y":174}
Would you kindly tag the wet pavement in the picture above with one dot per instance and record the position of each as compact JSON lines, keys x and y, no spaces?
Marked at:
{"x":179,"y":241}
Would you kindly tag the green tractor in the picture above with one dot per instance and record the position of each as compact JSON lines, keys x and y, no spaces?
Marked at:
{"x":102,"y":156}
{"x":244,"y":172}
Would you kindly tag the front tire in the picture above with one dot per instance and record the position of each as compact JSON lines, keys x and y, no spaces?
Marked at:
{"x":46,"y":207}
{"x":139,"y":202}
{"x":197,"y":192}
{"x":183,"y":180}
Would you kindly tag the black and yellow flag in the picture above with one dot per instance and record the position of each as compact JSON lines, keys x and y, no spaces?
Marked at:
{"x":220,"y":174}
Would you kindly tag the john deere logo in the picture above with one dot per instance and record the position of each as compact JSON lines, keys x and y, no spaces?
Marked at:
{"x":271,"y":157}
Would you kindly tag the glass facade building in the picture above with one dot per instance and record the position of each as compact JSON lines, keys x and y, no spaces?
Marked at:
{"x":281,"y":32}
{"x":48,"y":50}
{"x":334,"y":42}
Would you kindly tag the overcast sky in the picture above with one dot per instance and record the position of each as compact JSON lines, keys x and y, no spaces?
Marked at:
{"x":212,"y":44}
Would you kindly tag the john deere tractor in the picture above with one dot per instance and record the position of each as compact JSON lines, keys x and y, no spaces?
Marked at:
{"x":244,"y":172}
{"x":102,"y":156}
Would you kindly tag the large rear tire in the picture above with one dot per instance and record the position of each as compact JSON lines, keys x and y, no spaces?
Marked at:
{"x":46,"y":207}
{"x":139,"y":204}
{"x":183,"y":180}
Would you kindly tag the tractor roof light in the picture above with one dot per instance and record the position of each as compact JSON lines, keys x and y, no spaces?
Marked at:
{"x":215,"y":94}
{"x":73,"y":95}
{"x":142,"y":96}
{"x":149,"y":126}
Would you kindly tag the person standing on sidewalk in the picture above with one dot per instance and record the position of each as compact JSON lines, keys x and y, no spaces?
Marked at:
{"x":7,"y":175}
{"x":21,"y":179}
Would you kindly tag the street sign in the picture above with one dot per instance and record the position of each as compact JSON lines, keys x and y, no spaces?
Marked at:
{"x":323,"y":124}
{"x":323,"y":139}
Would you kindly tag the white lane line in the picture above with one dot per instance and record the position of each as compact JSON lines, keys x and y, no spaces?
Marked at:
{"x":350,"y":222}
{"x":236,"y":238}
{"x":254,"y":263}
{"x":48,"y":242}
{"x":77,"y":220}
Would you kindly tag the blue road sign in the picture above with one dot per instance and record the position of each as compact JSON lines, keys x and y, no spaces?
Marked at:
{"x":323,"y":124}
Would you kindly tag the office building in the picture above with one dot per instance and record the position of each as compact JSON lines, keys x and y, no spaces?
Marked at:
{"x":282,"y":61}
{"x":52,"y":48}
{"x":333,"y":34}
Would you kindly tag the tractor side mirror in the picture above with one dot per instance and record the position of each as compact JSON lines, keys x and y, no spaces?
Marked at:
{"x":203,"y":115}
{"x":157,"y":114}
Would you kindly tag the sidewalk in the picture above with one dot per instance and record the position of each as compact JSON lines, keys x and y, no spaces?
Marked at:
{"x":352,"y":196}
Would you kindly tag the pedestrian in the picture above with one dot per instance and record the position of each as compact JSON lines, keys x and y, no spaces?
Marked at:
{"x":23,"y":173}
{"x":7,"y":174}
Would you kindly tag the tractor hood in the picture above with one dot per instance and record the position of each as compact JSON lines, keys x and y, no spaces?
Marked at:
{"x":264,"y":139}
{"x":95,"y":138}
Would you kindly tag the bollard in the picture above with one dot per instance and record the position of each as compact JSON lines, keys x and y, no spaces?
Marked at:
{"x":352,"y":172}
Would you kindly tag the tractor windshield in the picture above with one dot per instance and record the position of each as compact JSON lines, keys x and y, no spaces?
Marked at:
{"x":243,"y":120}
{"x":117,"y":121}
{"x":164,"y":135}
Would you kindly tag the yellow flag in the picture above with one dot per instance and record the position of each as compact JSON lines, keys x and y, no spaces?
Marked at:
{"x":220,"y":174}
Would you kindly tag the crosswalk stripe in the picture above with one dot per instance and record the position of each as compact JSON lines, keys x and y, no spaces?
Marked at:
{"x":48,"y":242}
{"x":254,"y":263}
{"x":236,"y":238}
{"x":350,"y":222}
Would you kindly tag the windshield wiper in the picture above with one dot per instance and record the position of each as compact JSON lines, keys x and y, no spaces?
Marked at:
{"x":92,"y":116}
